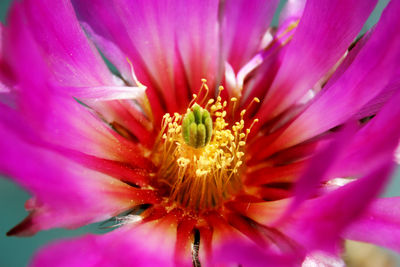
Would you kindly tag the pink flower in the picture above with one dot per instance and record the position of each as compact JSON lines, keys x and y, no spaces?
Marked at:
{"x":276,"y":160}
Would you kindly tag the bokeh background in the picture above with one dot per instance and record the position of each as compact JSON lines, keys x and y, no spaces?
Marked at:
{"x":15,"y":251}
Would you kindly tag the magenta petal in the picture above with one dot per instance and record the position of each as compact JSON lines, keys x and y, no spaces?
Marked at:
{"x":62,"y":120}
{"x":371,"y":145}
{"x":243,"y":25}
{"x":242,"y":253}
{"x":142,"y":246}
{"x":349,"y":58}
{"x":334,"y":24}
{"x":198,"y":41}
{"x":68,"y":124}
{"x":150,"y":29}
{"x":100,"y":20}
{"x":23,"y":52}
{"x":145,"y":33}
{"x":373,"y":68}
{"x":66,"y":194}
{"x":379,"y":225}
{"x":106,"y":27}
{"x":375,"y":104}
{"x":84,"y":251}
{"x":69,"y":54}
{"x":321,"y":222}
{"x":319,"y":167}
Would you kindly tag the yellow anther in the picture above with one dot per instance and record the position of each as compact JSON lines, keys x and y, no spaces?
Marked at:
{"x":239,"y":154}
{"x":252,"y":124}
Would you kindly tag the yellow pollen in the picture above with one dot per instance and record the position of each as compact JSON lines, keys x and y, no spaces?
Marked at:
{"x":201,"y":177}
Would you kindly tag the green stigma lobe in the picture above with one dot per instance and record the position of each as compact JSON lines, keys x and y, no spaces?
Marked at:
{"x":197,"y":127}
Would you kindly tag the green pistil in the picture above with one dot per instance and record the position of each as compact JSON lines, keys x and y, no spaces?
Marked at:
{"x":197,"y":127}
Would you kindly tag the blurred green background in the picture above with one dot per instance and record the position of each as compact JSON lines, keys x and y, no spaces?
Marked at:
{"x":16,"y":252}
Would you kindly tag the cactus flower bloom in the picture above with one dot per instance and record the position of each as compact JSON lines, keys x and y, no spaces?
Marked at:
{"x":209,"y":138}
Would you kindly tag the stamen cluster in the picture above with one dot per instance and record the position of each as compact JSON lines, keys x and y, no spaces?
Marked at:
{"x":201,"y":175}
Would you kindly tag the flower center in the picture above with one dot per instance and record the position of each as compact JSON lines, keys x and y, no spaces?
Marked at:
{"x":200,"y":156}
